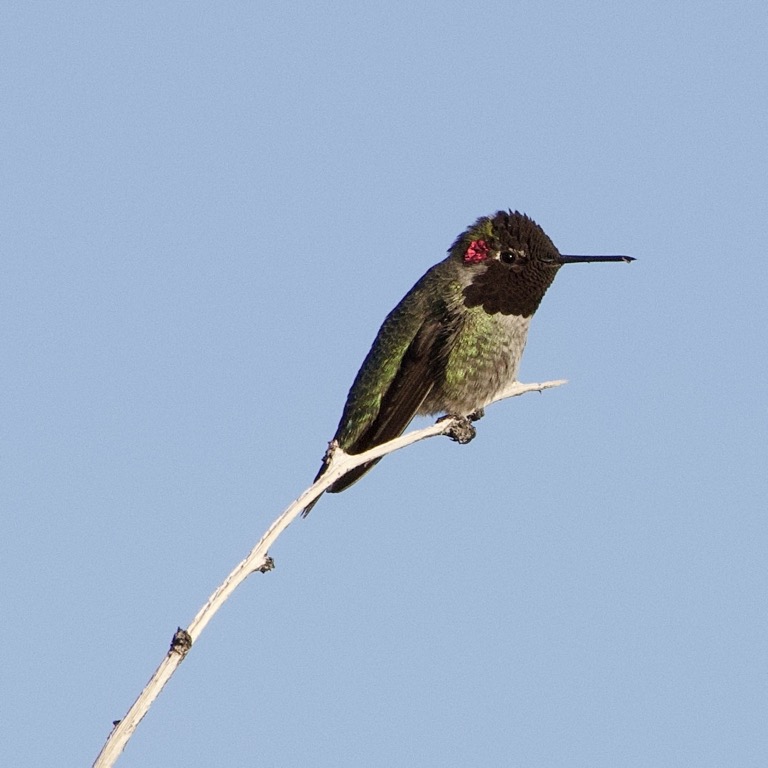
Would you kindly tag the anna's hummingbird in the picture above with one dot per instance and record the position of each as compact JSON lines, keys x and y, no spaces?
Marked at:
{"x":455,"y":340}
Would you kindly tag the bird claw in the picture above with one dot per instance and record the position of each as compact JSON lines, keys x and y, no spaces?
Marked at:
{"x":461,"y":430}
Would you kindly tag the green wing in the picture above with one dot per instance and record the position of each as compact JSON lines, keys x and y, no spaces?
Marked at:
{"x":395,"y":378}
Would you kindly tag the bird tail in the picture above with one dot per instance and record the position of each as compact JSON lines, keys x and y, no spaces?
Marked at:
{"x":342,"y":483}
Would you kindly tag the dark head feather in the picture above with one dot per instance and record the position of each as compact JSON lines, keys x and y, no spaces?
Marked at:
{"x":513,"y":260}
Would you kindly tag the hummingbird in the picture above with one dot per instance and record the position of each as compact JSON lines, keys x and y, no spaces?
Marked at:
{"x":455,"y":340}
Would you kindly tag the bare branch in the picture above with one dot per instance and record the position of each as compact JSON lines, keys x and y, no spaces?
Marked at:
{"x":259,"y":560}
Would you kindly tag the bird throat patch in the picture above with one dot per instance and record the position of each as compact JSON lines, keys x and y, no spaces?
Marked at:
{"x":499,"y":290}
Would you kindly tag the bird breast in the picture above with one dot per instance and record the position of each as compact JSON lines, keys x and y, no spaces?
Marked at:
{"x":483,"y":358}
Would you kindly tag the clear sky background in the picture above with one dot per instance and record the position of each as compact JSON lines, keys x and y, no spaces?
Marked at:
{"x":207,"y":211}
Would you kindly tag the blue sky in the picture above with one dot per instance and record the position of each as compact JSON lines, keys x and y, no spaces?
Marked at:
{"x":207,"y":211}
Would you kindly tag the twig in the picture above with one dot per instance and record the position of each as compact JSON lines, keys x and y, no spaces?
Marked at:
{"x":259,"y":560}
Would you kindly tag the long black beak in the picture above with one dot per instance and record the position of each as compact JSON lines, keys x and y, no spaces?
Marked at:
{"x":579,"y":259}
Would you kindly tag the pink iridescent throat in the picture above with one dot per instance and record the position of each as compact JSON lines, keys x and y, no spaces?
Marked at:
{"x":477,"y":251}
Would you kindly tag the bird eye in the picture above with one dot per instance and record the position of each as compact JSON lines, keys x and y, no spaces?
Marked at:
{"x":511,"y":257}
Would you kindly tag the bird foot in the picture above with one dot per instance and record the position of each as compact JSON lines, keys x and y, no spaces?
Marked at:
{"x":461,"y":430}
